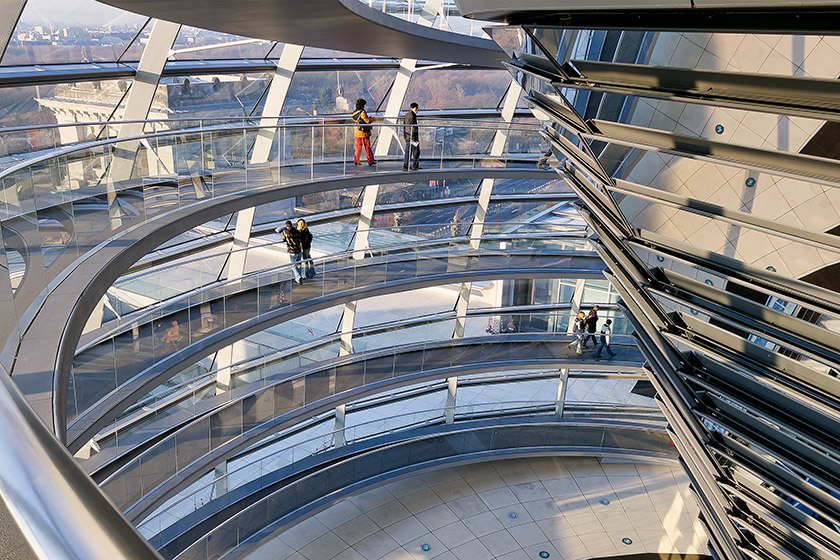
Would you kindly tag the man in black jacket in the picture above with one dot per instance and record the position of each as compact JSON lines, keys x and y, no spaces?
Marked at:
{"x":292,"y":238}
{"x":412,"y":138}
{"x":591,"y":327}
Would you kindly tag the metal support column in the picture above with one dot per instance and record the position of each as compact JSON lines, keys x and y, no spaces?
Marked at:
{"x":149,"y":70}
{"x":140,"y":99}
{"x":226,"y":357}
{"x":451,"y":394}
{"x":396,"y":99}
{"x":461,"y":308}
{"x":95,"y":319}
{"x":220,"y":481}
{"x":275,"y":99}
{"x":241,"y":239}
{"x":562,"y":387}
{"x":485,"y":191}
{"x":273,"y":108}
{"x":10,"y":10}
{"x":348,"y":320}
{"x":392,"y":112}
{"x":340,"y":422}
{"x":497,"y":148}
{"x":577,"y":299}
{"x":361,"y":242}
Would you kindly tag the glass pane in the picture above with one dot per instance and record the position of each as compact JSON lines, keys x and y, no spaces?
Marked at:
{"x":62,"y":103}
{"x":315,"y":52}
{"x":458,"y":89}
{"x":330,"y":92}
{"x":193,"y":43}
{"x":52,"y":32}
{"x":211,"y":96}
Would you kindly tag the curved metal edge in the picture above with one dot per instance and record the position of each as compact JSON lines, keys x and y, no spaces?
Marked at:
{"x":404,"y":250}
{"x":329,"y":24}
{"x":192,"y":472}
{"x":58,"y":508}
{"x":322,"y":462}
{"x":79,"y":290}
{"x":318,"y":505}
{"x":95,"y":418}
{"x":491,"y":53}
{"x":107,"y":468}
{"x":622,"y":366}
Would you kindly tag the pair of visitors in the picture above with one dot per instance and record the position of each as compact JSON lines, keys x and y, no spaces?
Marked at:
{"x":299,"y":243}
{"x":606,"y":331}
{"x":364,"y":130}
{"x":591,"y":327}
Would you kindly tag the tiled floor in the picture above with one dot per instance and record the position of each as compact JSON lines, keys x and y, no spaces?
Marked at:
{"x":509,"y":510}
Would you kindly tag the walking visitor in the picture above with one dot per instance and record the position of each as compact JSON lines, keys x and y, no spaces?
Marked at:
{"x":605,"y":341}
{"x":579,"y":329}
{"x":591,"y":327}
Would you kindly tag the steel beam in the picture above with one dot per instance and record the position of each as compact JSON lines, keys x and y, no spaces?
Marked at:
{"x":10,"y":11}
{"x":797,"y":166}
{"x":396,"y":99}
{"x":735,"y":217}
{"x":790,"y":289}
{"x":485,"y":192}
{"x":451,"y":396}
{"x":785,"y":95}
{"x":56,"y":505}
{"x":562,"y":389}
{"x":732,"y":16}
{"x":274,"y":101}
{"x":140,"y":98}
{"x":260,"y":152}
{"x":628,"y":275}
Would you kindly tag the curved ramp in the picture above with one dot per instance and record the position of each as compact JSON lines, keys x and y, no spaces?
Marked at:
{"x":406,"y":452}
{"x":110,"y":375}
{"x":62,"y":317}
{"x":246,"y":415}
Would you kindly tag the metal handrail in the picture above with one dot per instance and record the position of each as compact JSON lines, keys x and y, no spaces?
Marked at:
{"x":58,"y":508}
{"x":332,"y":257}
{"x":518,"y":407}
{"x":200,"y":120}
{"x":573,"y":232}
{"x":63,"y":151}
{"x":242,"y":366}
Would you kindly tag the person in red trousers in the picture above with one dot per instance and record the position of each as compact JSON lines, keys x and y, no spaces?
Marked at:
{"x":361,"y":118}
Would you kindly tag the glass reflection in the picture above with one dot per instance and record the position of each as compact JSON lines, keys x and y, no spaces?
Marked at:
{"x":54,"y":31}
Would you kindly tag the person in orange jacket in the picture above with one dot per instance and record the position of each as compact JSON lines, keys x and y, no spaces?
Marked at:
{"x":361,"y":118}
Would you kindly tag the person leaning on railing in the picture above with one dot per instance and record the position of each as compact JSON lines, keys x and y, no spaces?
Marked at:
{"x":306,"y":246}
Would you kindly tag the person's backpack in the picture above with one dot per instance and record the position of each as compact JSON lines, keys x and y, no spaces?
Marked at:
{"x":357,"y":118}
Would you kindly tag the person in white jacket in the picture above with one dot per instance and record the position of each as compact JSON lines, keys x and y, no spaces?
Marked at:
{"x":579,"y":329}
{"x":605,"y":341}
